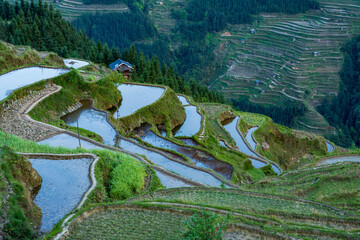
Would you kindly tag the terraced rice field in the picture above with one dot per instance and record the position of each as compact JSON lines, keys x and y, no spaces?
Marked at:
{"x":336,"y":184}
{"x":243,"y":202}
{"x":130,"y":224}
{"x":278,"y":61}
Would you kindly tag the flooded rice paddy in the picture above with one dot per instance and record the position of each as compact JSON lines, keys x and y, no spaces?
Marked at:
{"x":192,"y":123}
{"x":22,"y":77}
{"x":136,"y":97}
{"x":63,"y":184}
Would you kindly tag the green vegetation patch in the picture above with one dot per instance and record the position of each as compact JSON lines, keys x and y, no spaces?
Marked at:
{"x":12,"y":57}
{"x":281,"y":145}
{"x":166,"y":111}
{"x":75,"y":88}
{"x":130,"y":224}
{"x":243,"y":202}
{"x":18,"y":184}
{"x":334,"y":184}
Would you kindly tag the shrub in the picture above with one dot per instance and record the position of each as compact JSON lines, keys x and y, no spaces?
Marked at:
{"x":205,"y":226}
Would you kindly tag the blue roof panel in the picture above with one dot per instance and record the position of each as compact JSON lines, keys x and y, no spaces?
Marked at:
{"x":119,"y":62}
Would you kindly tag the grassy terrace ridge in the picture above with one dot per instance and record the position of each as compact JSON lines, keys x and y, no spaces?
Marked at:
{"x":245,"y":202}
{"x":166,"y":111}
{"x":138,"y":220}
{"x":334,"y":184}
{"x":13,"y":57}
{"x":289,"y":148}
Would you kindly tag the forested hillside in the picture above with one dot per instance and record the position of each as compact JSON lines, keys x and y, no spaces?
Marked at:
{"x":343,"y":112}
{"x":43,"y":28}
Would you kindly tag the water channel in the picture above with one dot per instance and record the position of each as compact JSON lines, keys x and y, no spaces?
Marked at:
{"x":199,"y":157}
{"x":340,"y":159}
{"x":230,"y":125}
{"x":94,"y":120}
{"x":250,"y":139}
{"x":183,"y":100}
{"x":22,"y":77}
{"x":136,"y":97}
{"x":63,"y":184}
{"x":330,"y":147}
{"x":192,"y":124}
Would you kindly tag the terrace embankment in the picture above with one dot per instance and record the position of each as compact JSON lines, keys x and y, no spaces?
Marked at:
{"x":14,"y":120}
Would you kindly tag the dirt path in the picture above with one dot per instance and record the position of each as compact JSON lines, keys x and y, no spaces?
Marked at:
{"x":15,"y":120}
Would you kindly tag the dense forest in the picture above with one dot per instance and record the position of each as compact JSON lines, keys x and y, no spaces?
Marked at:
{"x":283,"y":115}
{"x":121,"y":30}
{"x":43,"y":28}
{"x":343,"y":112}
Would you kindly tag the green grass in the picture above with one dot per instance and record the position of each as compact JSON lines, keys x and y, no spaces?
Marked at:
{"x":239,"y":201}
{"x":19,"y":214}
{"x":126,"y":223}
{"x":285,"y":146}
{"x":166,"y":111}
{"x":10,"y":59}
{"x":334,"y":184}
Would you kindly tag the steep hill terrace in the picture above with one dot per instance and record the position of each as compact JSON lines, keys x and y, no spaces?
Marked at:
{"x":278,"y":60}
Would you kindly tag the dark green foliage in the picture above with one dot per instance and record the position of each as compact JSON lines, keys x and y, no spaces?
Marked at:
{"x":268,"y":170}
{"x":283,"y":115}
{"x":248,"y":165}
{"x":121,"y":30}
{"x":18,"y":226}
{"x":205,"y":225}
{"x":343,"y":111}
{"x":42,"y":27}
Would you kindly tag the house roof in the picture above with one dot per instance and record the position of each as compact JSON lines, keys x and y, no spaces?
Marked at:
{"x":118,"y":63}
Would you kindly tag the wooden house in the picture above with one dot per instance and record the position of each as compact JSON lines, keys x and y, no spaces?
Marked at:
{"x":122,"y":66}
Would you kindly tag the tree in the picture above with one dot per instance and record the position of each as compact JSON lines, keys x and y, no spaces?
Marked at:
{"x":205,"y":226}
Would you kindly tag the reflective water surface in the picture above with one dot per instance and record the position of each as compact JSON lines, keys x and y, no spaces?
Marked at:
{"x":183,"y":100}
{"x":136,"y":97}
{"x":249,"y":137}
{"x":63,"y":184}
{"x":330,"y":147}
{"x":231,"y":126}
{"x":67,"y":141}
{"x":170,"y":182}
{"x":74,"y":63}
{"x":22,"y":77}
{"x":93,"y":120}
{"x":199,"y":157}
{"x":192,"y":123}
{"x":340,"y":159}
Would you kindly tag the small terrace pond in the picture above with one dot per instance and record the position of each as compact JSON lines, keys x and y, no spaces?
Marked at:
{"x":67,"y":141}
{"x":136,"y":97}
{"x":183,"y":100}
{"x":192,"y":123}
{"x":230,"y":125}
{"x":92,"y":120}
{"x":199,"y":157}
{"x":330,"y":147}
{"x":22,"y":77}
{"x":95,"y":120}
{"x":340,"y":159}
{"x":170,"y":182}
{"x":63,"y":184}
{"x":74,"y":63}
{"x":249,"y":137}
